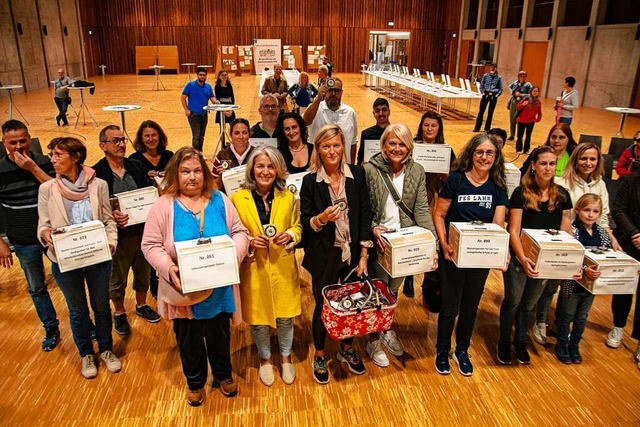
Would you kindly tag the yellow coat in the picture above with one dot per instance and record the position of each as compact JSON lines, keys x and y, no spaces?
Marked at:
{"x":269,"y":283}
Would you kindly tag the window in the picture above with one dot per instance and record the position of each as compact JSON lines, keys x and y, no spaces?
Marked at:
{"x":472,"y":16}
{"x":542,"y":11}
{"x":514,"y":13}
{"x":622,"y":12}
{"x":577,"y":13}
{"x":491,"y":17}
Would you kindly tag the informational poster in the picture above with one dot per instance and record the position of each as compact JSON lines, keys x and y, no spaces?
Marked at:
{"x":266,"y":54}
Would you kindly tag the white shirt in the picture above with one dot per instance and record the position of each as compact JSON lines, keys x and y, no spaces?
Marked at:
{"x":344,"y":117}
{"x":391,"y":213}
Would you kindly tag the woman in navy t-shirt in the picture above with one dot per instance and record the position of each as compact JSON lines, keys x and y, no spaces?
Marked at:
{"x":474,"y":191}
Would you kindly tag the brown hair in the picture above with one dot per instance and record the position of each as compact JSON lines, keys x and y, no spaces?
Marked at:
{"x":171,"y":181}
{"x":531,"y":190}
{"x":138,"y":145}
{"x":464,"y":162}
{"x":76,"y":148}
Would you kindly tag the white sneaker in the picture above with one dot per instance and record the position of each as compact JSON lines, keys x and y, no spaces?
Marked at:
{"x":89,"y":369}
{"x":266,"y":375}
{"x":288,"y":373}
{"x":110,"y":360}
{"x":540,"y":333}
{"x":377,"y":354}
{"x":615,"y":337}
{"x":391,"y":341}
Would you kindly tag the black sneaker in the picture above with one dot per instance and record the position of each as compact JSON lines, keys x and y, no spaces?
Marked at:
{"x":562,"y":353}
{"x":407,"y":289}
{"x":121,"y":324}
{"x":148,"y":314}
{"x":51,"y":339}
{"x":442,"y":363}
{"x":349,"y":357}
{"x":320,"y":372}
{"x":522,"y":355}
{"x":464,"y":364}
{"x":574,"y":354}
{"x":504,"y":353}
{"x":92,"y":333}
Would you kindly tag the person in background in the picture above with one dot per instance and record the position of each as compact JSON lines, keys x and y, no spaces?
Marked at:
{"x":292,"y":135}
{"x":530,"y":113}
{"x":277,"y":86}
{"x":323,"y":72}
{"x":224,"y":92}
{"x":195,"y":97}
{"x":236,"y":154}
{"x":393,"y":169}
{"x":491,"y":89}
{"x":326,"y":63}
{"x":560,"y":138}
{"x":269,"y":283}
{"x":303,"y":93}
{"x":269,"y":111}
{"x":500,"y":135}
{"x":61,"y":96}
{"x":475,"y":191}
{"x":77,"y":196}
{"x":630,"y":155}
{"x":381,"y":113}
{"x":338,"y":239}
{"x":21,"y":173}
{"x":192,"y":208}
{"x":518,"y":89}
{"x":568,"y":101}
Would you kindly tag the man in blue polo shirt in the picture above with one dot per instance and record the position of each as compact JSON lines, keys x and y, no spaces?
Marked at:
{"x":21,"y":173}
{"x":195,"y":96}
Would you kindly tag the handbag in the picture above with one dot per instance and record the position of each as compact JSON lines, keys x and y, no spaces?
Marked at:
{"x":357,"y":308}
{"x":396,"y":197}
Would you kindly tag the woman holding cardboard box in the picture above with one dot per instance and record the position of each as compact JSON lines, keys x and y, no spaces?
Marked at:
{"x":475,"y":191}
{"x":538,"y":203}
{"x":191,"y":209}
{"x":76,"y":196}
{"x":398,"y":199}
{"x":270,"y":288}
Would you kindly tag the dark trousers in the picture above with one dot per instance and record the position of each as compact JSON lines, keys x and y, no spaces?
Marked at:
{"x":573,"y":309}
{"x":333,"y":270}
{"x":621,"y":304}
{"x":486,"y":100}
{"x":62,"y":105}
{"x":198,"y":125}
{"x":461,"y":292}
{"x":202,"y":340}
{"x":522,"y":127}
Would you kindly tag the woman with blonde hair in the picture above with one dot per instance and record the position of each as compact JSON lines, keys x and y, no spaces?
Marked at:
{"x":303,"y":93}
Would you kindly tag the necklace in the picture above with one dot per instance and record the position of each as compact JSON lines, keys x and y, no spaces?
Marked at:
{"x":195,"y":214}
{"x":476,"y":181}
{"x":296,"y":150}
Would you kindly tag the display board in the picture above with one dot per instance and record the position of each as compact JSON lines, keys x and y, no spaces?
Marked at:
{"x":314,"y":55}
{"x":292,"y":57}
{"x":266,"y":54}
{"x":229,"y":57}
{"x":245,"y":59}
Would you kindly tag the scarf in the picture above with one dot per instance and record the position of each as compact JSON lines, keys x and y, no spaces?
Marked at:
{"x":78,"y":190}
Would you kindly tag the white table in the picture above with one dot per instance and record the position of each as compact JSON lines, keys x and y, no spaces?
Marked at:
{"x":221,"y":109}
{"x":122,"y":109}
{"x":9,"y":89}
{"x":188,"y":65}
{"x":158,"y":82}
{"x":623,"y":111}
{"x":83,"y":107}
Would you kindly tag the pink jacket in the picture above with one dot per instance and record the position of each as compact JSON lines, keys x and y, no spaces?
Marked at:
{"x":157,"y":247}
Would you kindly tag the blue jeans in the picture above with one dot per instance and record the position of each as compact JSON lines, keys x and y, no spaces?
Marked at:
{"x":72,"y":285}
{"x":544,"y":303}
{"x":30,"y":257}
{"x":573,"y":309}
{"x":521,"y":294}
{"x":566,"y":120}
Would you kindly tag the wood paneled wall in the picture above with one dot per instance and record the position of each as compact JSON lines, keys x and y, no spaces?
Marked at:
{"x":198,"y":27}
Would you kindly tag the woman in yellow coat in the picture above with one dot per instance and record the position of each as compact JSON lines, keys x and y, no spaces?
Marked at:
{"x":269,"y":283}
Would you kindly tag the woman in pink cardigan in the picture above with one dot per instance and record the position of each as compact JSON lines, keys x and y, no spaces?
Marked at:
{"x":191,"y":208}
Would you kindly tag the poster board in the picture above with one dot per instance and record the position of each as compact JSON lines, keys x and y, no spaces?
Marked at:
{"x":314,"y":53}
{"x":245,"y":59}
{"x":229,"y":58}
{"x":266,"y":54}
{"x":292,"y":57}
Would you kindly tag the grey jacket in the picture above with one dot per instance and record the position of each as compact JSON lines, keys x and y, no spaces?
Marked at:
{"x":414,"y":193}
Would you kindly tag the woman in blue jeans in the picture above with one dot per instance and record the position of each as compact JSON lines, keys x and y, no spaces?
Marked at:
{"x":74,"y":197}
{"x":538,"y":203}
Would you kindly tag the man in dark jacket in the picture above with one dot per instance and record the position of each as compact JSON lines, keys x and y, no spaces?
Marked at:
{"x":122,"y":175}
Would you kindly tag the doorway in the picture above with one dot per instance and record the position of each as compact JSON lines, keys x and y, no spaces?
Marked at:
{"x":388,"y":47}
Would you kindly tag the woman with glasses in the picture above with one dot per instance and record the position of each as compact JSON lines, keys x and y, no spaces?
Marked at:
{"x":475,"y":191}
{"x":224,"y":93}
{"x":235,"y":154}
{"x":538,"y":203}
{"x":76,"y":196}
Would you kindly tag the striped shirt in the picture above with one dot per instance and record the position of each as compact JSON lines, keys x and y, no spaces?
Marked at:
{"x":19,"y":199}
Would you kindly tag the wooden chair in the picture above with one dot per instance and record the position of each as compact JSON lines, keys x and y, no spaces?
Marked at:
{"x":595,"y":139}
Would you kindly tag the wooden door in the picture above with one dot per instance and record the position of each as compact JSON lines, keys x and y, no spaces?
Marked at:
{"x":466,"y":57}
{"x":534,"y":59}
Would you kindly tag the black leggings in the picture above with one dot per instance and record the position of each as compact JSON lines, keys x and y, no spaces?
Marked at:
{"x":335,"y":268}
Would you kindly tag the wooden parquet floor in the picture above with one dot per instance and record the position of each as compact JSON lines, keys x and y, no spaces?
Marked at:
{"x":41,"y":388}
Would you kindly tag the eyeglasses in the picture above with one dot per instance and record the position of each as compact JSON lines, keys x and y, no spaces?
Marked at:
{"x":481,"y":153}
{"x":269,"y":107}
{"x":56,"y":156}
{"x":116,"y":141}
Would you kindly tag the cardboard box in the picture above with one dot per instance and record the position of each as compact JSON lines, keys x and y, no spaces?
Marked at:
{"x":371,"y":148}
{"x":512,"y":175}
{"x":294,"y":183}
{"x":479,"y":245}
{"x":434,"y":158}
{"x":259,"y":142}
{"x":207,"y":263}
{"x":137,"y":203}
{"x":557,"y":254}
{"x":81,"y":245}
{"x":408,"y":251}
{"x":233,"y":179}
{"x":619,"y":272}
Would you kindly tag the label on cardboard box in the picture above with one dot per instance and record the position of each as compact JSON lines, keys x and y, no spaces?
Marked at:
{"x":81,"y":245}
{"x":137,"y":203}
{"x":259,"y":142}
{"x":408,"y":251}
{"x":556,"y":254}
{"x":618,"y":272}
{"x":512,"y":175}
{"x":233,"y":179}
{"x":479,"y":245}
{"x":434,"y":158}
{"x":371,"y":148}
{"x":207,"y":263}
